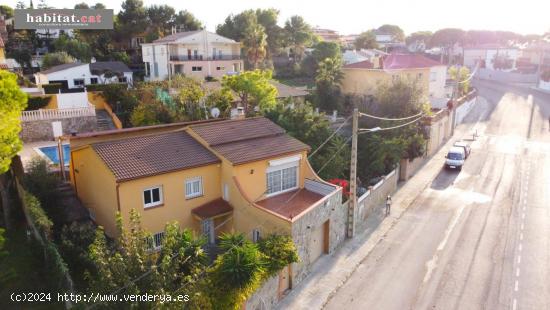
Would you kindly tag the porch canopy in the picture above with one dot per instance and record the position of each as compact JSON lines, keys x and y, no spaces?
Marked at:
{"x":212,"y":209}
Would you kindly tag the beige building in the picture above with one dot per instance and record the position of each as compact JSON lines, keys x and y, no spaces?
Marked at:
{"x":193,"y":53}
{"x":363,"y":78}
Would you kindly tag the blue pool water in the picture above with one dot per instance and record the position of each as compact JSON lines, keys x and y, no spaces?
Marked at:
{"x":53,"y":154}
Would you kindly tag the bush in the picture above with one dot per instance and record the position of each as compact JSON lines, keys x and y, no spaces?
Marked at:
{"x":43,"y":184}
{"x":545,"y":76}
{"x":280,"y":252}
{"x":35,"y":103}
{"x":104,"y":87}
{"x":52,"y":88}
{"x":38,"y":216}
{"x":146,"y":114}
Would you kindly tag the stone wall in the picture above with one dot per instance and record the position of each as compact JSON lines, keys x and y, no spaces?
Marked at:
{"x":266,"y":297}
{"x":42,"y":130}
{"x":331,"y":210}
{"x":374,"y":197}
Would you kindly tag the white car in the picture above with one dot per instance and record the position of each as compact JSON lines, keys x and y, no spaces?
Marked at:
{"x":455,"y":158}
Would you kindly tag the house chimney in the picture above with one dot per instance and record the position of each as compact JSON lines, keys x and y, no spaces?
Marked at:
{"x":238,"y":113}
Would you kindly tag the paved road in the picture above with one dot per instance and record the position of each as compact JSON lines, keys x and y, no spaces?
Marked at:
{"x":478,"y":239}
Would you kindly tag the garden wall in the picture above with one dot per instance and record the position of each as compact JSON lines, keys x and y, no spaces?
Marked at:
{"x":487,"y":74}
{"x":41,"y":130}
{"x":374,"y":197}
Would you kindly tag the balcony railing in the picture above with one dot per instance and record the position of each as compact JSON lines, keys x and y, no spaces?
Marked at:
{"x":47,"y":114}
{"x":201,"y":57}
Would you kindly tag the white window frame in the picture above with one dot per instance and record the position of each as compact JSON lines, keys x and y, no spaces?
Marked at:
{"x":280,"y":167}
{"x":189,"y":182}
{"x":433,"y":76}
{"x":79,"y":80}
{"x":196,"y":69}
{"x":152,"y":204}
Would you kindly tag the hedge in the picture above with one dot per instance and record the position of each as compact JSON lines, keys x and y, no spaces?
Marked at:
{"x":103,"y":87}
{"x":52,"y":88}
{"x":35,"y":103}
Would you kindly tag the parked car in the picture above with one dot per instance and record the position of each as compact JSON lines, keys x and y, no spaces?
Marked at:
{"x":466,"y":146}
{"x":455,"y":158}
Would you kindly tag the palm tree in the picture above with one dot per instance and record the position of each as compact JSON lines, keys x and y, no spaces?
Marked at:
{"x":299,"y":35}
{"x":329,"y":73}
{"x":255,"y":44}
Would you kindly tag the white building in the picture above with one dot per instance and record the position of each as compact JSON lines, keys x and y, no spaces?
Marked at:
{"x":487,"y":54}
{"x":193,"y":53}
{"x":77,"y":75}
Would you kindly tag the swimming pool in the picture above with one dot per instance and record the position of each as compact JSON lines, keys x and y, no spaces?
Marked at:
{"x":52,"y":153}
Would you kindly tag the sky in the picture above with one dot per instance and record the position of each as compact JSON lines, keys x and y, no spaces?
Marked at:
{"x":355,"y":16}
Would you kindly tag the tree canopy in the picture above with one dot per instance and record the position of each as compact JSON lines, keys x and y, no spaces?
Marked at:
{"x":366,"y":40}
{"x":298,"y":36}
{"x":12,"y":102}
{"x":253,"y":88}
{"x":55,"y":59}
{"x":396,"y":31}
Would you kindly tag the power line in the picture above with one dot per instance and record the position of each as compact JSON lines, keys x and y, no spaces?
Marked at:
{"x":390,"y":119}
{"x":328,"y":139}
{"x":365,"y":130}
{"x":334,"y":155}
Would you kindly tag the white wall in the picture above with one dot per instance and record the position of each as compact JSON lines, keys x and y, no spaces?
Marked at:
{"x":72,"y":100}
{"x":463,"y":110}
{"x":438,"y":78}
{"x":80,"y":72}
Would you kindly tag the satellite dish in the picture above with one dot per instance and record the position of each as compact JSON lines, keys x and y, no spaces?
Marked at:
{"x":215,"y":112}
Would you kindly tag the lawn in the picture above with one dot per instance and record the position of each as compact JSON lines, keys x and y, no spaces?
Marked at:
{"x":25,"y":272}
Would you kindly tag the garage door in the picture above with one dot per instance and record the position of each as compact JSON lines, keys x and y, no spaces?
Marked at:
{"x":318,"y":243}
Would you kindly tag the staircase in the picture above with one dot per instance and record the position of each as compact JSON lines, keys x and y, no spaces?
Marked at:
{"x":104,"y":121}
{"x":75,"y":211}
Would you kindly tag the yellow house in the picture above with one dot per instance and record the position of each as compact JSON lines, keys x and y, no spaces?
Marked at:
{"x":363,"y":78}
{"x":244,"y":175}
{"x":3,"y":64}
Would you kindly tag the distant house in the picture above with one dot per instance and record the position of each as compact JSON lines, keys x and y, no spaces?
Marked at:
{"x":78,"y":75}
{"x":193,"y":53}
{"x":363,"y":78}
{"x":327,"y":35}
{"x":387,"y":40}
{"x":283,"y":91}
{"x":491,"y":56}
{"x":353,"y":56}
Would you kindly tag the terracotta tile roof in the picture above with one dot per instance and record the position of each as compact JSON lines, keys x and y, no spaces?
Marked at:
{"x":251,"y":139}
{"x":365,"y":64}
{"x":255,"y":149}
{"x":237,"y":130}
{"x":292,"y":203}
{"x":143,"y":156}
{"x":212,"y":209}
{"x":408,"y":61}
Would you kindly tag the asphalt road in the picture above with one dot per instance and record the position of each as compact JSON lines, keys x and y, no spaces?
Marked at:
{"x":475,"y":239}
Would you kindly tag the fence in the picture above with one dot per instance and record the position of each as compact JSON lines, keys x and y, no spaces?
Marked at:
{"x":49,"y":114}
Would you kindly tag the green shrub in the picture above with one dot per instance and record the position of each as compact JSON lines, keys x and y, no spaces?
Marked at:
{"x":280,"y":252}
{"x":52,"y":88}
{"x":107,"y":87}
{"x":37,"y":215}
{"x":35,"y":103}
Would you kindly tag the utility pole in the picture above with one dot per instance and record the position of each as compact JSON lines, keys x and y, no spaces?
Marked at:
{"x":353,"y":175}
